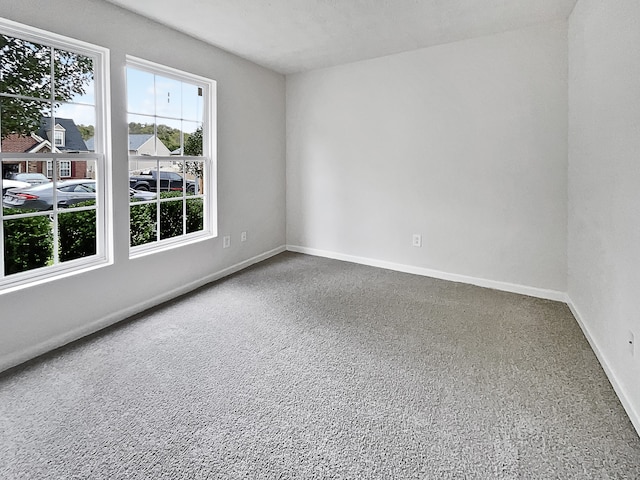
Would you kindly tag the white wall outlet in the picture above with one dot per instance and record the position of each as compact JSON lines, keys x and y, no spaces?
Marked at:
{"x":631,"y":342}
{"x":226,"y":241}
{"x":243,"y":236}
{"x":417,"y":240}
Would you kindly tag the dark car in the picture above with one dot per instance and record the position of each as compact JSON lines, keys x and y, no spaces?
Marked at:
{"x":169,"y":181}
{"x":40,"y":197}
{"x":30,"y":178}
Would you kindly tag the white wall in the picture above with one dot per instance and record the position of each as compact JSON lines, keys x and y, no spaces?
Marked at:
{"x":251,"y":174}
{"x":604,"y":185}
{"x":465,"y":143}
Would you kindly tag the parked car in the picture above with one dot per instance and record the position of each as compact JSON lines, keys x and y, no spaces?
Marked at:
{"x":70,"y":192}
{"x":40,"y":197}
{"x":169,"y":181}
{"x":7,"y":184}
{"x":31,"y":178}
{"x":141,"y":194}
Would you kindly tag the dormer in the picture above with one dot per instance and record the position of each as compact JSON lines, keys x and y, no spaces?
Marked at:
{"x":58,"y":135}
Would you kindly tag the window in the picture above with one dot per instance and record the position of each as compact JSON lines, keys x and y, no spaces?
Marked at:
{"x":64,"y":168}
{"x":59,"y":138}
{"x":171,"y":160}
{"x":51,"y":88}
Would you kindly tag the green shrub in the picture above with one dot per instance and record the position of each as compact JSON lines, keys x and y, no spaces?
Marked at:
{"x":194,"y":215}
{"x":77,"y":233}
{"x":142,"y":219}
{"x":170,"y":216}
{"x":28,"y":242}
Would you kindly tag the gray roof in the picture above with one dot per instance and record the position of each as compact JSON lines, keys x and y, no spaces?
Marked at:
{"x":136,"y":140}
{"x":90,"y":142}
{"x":72,"y":138}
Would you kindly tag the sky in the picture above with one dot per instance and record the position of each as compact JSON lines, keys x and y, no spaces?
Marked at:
{"x":172,"y":102}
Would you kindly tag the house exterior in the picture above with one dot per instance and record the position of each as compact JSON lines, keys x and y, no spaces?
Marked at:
{"x":145,"y":144}
{"x":66,"y":138}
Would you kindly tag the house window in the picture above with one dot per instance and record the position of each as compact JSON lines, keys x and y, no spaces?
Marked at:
{"x":171,"y":156}
{"x":64,"y":168}
{"x":50,"y":83}
{"x":59,"y":138}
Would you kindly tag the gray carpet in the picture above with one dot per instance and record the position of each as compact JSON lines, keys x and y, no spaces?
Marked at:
{"x":303,"y":367}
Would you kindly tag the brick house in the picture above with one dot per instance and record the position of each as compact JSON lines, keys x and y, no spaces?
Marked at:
{"x":66,"y":138}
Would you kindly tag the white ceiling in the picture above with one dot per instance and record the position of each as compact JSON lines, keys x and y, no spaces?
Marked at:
{"x":297,"y":35}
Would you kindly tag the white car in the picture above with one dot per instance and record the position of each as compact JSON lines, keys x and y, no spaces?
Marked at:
{"x":7,"y":184}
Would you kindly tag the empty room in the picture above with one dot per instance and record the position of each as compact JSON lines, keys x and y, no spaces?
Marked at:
{"x":320,"y":239}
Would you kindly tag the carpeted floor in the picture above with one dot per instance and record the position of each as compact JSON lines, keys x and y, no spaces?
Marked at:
{"x":309,"y":368}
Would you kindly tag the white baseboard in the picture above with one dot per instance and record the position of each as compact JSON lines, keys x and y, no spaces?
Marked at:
{"x":427,"y":272}
{"x":95,"y":326}
{"x":633,"y":414}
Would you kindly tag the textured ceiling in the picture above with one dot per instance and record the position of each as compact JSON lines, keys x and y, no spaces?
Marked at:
{"x":297,"y":35}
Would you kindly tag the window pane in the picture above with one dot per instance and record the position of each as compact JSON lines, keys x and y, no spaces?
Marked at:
{"x":64,"y":169}
{"x":28,"y":244}
{"x":169,"y":137}
{"x":35,"y":193}
{"x":195,"y":174}
{"x":139,"y":171}
{"x":143,"y":175}
{"x":73,"y":77}
{"x":84,"y":169}
{"x":171,"y":224}
{"x":76,"y":125}
{"x":142,"y":138}
{"x":195,"y":218}
{"x":192,"y":102}
{"x":172,"y":176}
{"x":9,"y":169}
{"x":192,"y":139}
{"x":142,"y":223}
{"x":22,"y":60}
{"x":77,"y":193}
{"x":19,"y":120}
{"x":168,"y":97}
{"x":77,"y":234}
{"x":140,"y":92}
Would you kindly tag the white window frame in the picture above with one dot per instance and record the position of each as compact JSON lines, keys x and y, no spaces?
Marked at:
{"x":104,"y":214}
{"x":209,"y":149}
{"x":58,"y":133}
{"x":63,"y":166}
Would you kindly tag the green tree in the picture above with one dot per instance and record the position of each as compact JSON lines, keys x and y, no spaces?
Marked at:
{"x":87,"y":131}
{"x":25,"y":70}
{"x":193,"y":144}
{"x":169,"y":136}
{"x":193,"y":148}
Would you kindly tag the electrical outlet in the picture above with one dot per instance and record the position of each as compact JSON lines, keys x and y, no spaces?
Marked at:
{"x":226,"y":241}
{"x":631,"y":343}
{"x":243,"y":236}
{"x":417,"y":240}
